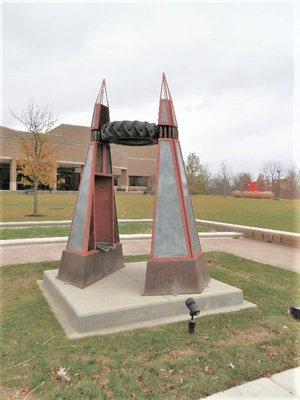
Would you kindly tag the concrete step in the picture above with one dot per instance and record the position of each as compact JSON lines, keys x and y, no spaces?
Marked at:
{"x":80,"y":315}
{"x":250,"y":232}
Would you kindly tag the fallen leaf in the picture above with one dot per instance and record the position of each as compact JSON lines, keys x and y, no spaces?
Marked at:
{"x":61,"y":375}
{"x":207,"y":369}
{"x":78,"y":375}
{"x":110,"y":394}
{"x":104,"y":382}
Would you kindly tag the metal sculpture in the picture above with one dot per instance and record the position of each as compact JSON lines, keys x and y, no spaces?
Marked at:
{"x":176,"y":263}
{"x":94,"y":249}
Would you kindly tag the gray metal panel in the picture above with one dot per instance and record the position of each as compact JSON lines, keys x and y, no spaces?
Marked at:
{"x":169,"y":239}
{"x":76,"y":237}
{"x":189,"y":207}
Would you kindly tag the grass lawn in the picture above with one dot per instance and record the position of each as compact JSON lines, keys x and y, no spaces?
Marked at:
{"x":56,"y":231}
{"x":163,"y":362}
{"x":283,"y":215}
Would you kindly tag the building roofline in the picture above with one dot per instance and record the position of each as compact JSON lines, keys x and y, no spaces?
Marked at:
{"x":12,"y":129}
{"x":62,"y":124}
{"x":58,"y":126}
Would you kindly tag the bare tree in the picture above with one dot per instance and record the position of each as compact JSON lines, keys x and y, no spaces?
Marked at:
{"x":292,"y":179}
{"x":241,"y":181}
{"x":271,"y":172}
{"x":222,"y":181}
{"x":261,"y":182}
{"x":39,"y":158}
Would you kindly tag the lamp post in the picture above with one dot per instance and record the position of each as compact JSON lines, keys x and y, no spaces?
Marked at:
{"x":278,"y":183}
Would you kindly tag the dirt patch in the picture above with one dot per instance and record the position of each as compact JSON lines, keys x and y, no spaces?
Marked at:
{"x":15,"y":287}
{"x":271,"y":351}
{"x":175,"y":354}
{"x":15,"y":394}
{"x":17,"y":283}
{"x":239,"y":274}
{"x":251,"y":336}
{"x":84,"y":358}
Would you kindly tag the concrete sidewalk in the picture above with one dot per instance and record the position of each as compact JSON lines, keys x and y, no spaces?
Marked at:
{"x":282,"y":386}
{"x":267,"y":253}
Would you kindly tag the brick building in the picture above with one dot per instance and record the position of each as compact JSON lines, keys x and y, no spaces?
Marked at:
{"x":133,"y":167}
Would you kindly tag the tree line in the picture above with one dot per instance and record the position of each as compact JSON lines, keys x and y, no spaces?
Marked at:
{"x":283,"y":181}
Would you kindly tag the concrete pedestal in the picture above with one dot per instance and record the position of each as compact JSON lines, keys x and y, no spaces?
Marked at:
{"x":115,"y":303}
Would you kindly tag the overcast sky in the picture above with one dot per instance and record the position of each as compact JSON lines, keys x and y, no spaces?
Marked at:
{"x":229,"y":68}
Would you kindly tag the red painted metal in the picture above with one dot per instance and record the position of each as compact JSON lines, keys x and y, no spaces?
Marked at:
{"x":187,"y":232}
{"x":173,"y":274}
{"x":252,"y":187}
{"x":90,"y":201}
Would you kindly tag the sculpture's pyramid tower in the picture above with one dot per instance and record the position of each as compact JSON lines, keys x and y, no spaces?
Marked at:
{"x":176,"y":264}
{"x":94,"y":250}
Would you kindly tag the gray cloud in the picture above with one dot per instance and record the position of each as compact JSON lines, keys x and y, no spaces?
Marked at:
{"x":229,"y":66}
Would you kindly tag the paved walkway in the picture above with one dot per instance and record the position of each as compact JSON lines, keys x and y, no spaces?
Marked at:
{"x":268,"y":253}
{"x":282,"y":386}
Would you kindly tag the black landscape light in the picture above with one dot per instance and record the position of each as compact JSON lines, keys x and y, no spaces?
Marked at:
{"x":295,"y":312}
{"x":194,"y":310}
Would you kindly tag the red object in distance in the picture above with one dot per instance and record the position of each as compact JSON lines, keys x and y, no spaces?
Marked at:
{"x":252,"y":187}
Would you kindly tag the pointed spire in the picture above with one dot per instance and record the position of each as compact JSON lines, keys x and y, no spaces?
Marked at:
{"x":102,"y":94}
{"x":101,"y":108}
{"x":166,"y":114}
{"x":164,"y":89}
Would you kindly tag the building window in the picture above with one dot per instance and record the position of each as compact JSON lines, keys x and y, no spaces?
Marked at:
{"x":4,"y":176}
{"x":116,"y":181}
{"x":138,"y":181}
{"x":67,"y":179}
{"x":21,"y":185}
{"x":20,"y":177}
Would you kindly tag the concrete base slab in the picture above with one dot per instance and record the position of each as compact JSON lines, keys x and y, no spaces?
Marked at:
{"x":115,"y":303}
